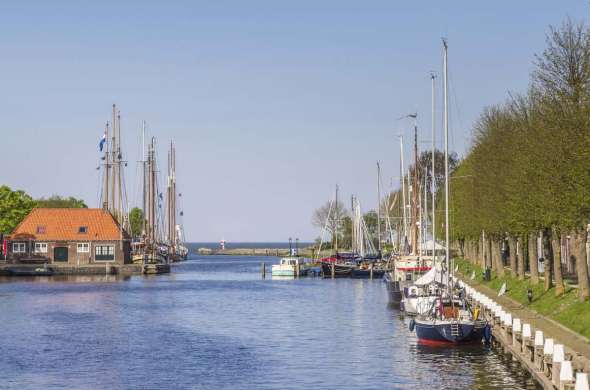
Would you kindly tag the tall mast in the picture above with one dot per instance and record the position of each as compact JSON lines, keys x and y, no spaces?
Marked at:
{"x":353,"y":222}
{"x":425,"y":218}
{"x":446,"y":127}
{"x":112,"y":203}
{"x":143,"y":172}
{"x":379,"y":208}
{"x":405,"y":211}
{"x":432,"y":172}
{"x":105,"y":187}
{"x":336,"y":224}
{"x":415,"y":189}
{"x":119,"y":169}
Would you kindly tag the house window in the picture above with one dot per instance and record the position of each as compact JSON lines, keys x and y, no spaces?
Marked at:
{"x":83,"y":229}
{"x":40,"y":229}
{"x":104,"y":253}
{"x":19,"y":247}
{"x":83,"y":247}
{"x":40,"y":247}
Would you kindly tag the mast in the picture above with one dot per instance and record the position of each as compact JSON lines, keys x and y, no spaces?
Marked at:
{"x":119,"y":175}
{"x":425,"y":211}
{"x":379,"y":209}
{"x":112,"y":204}
{"x":353,"y":227}
{"x":446,"y":127}
{"x":405,"y":211}
{"x":144,"y":167}
{"x":432,"y":175}
{"x":105,"y":187}
{"x":415,"y":189}
{"x":336,"y":224}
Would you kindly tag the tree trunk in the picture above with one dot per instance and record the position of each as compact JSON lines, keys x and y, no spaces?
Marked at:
{"x":497,"y":258}
{"x":533,"y":260}
{"x":556,"y":244}
{"x":512,"y":254}
{"x":489,"y":256}
{"x":547,"y":256}
{"x":521,"y":262}
{"x":482,"y":252}
{"x":582,"y":266}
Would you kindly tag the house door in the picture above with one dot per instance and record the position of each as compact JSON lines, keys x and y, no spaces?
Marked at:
{"x":60,"y":253}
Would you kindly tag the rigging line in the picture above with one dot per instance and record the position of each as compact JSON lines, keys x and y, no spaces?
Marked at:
{"x":324,"y":230}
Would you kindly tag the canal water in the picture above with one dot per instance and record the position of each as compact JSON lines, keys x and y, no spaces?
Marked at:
{"x":214,"y":324}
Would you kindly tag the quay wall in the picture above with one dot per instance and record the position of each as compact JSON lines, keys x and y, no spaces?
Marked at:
{"x":556,"y":357}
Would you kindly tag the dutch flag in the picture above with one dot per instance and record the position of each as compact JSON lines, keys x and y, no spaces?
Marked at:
{"x":102,"y":141}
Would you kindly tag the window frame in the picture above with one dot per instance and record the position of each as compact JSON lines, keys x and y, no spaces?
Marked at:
{"x":102,"y":257}
{"x":19,"y":244}
{"x":83,"y":230}
{"x":36,"y":251}
{"x":82,"y":244}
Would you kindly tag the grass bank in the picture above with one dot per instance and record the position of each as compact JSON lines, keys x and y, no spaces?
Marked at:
{"x":566,"y":309}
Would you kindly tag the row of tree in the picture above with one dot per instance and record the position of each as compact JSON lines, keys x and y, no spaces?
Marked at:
{"x":528,"y":170}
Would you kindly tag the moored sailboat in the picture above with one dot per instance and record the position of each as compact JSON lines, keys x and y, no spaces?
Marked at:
{"x":450,"y":320}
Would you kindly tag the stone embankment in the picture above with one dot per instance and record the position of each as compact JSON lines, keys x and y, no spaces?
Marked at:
{"x":555,"y":356}
{"x":282,"y":252}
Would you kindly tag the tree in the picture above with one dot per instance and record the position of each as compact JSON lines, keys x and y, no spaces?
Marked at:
{"x":14,"y":207}
{"x":56,"y":201}
{"x":330,"y":216}
{"x":136,"y":220}
{"x":345,"y":233}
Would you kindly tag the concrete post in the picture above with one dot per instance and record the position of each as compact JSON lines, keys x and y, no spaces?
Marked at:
{"x":548,"y":357}
{"x":558,"y":358}
{"x":538,"y":352}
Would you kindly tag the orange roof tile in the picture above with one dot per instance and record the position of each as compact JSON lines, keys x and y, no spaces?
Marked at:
{"x":64,"y":225}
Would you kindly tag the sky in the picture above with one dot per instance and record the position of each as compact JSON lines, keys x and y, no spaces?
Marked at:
{"x":270,"y":103}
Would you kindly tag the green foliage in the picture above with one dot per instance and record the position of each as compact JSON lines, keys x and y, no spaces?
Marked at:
{"x":14,"y":207}
{"x":56,"y":201}
{"x":136,"y":219}
{"x":528,"y":165}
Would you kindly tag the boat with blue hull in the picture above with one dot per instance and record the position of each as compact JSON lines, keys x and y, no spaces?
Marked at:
{"x":449,"y":331}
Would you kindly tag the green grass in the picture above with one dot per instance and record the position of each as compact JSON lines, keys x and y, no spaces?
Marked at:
{"x":566,"y":309}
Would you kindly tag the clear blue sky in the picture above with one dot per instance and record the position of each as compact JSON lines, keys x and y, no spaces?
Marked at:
{"x":270,"y":102}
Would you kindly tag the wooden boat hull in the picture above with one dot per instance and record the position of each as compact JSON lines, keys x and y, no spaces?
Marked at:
{"x":29,"y":271}
{"x":340,"y":270}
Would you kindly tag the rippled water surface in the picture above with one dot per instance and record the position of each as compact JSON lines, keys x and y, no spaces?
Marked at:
{"x":214,"y":324}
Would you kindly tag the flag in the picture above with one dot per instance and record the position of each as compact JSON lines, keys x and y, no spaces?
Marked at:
{"x":102,"y":141}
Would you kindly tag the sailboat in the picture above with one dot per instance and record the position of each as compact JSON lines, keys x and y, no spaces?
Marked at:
{"x":367,"y":256}
{"x":409,"y":264}
{"x":420,"y":296}
{"x":174,"y":234}
{"x":450,"y":319}
{"x":340,"y":264}
{"x":150,"y":250}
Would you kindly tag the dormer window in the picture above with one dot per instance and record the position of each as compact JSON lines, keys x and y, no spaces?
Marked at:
{"x":83,"y":229}
{"x":40,"y":229}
